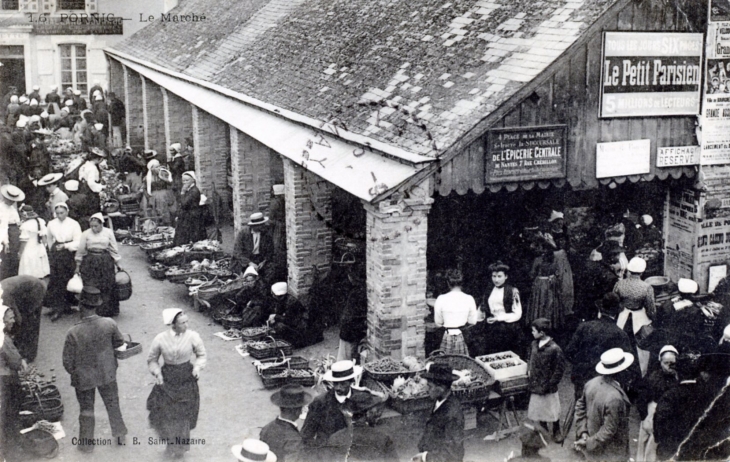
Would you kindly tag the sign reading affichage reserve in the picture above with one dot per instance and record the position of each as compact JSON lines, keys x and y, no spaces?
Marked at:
{"x":621,"y":158}
{"x":651,"y":74}
{"x":678,"y":155}
{"x":523,"y":154}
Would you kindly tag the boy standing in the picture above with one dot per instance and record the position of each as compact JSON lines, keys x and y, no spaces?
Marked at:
{"x":546,"y":369}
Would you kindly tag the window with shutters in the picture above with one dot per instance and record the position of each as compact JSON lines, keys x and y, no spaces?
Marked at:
{"x":9,"y":5}
{"x":73,"y":67}
{"x":72,"y":4}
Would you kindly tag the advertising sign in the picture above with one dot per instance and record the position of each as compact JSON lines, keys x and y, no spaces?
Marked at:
{"x":651,"y":74}
{"x":716,"y":114}
{"x":678,"y":155}
{"x":719,"y":10}
{"x":526,"y":153}
{"x":621,"y":158}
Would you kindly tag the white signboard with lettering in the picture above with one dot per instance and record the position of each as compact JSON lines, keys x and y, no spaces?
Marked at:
{"x":678,"y":155}
{"x":620,"y":158}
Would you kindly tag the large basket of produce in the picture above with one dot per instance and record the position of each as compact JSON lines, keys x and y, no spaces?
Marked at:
{"x":208,"y":291}
{"x":387,"y":369}
{"x":231,"y":321}
{"x":254,"y":333}
{"x":269,"y":348}
{"x":157,"y":271}
{"x":275,"y":378}
{"x":410,"y":395}
{"x":503,"y":365}
{"x":178,"y":275}
{"x":474,"y":383}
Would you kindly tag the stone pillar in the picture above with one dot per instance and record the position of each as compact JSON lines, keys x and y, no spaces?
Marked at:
{"x":308,"y":201}
{"x":178,"y":118}
{"x":251,"y":176}
{"x":153,"y":115}
{"x":210,"y":136}
{"x":133,"y":108}
{"x":396,"y":277}
{"x":116,"y":78}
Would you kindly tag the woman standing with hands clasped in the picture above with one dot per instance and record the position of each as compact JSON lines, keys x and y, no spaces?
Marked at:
{"x":175,"y":399}
{"x":96,"y":260}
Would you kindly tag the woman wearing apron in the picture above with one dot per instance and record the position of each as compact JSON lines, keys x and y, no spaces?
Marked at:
{"x":637,"y":302}
{"x":453,"y":311}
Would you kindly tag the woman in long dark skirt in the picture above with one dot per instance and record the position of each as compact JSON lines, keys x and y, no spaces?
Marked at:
{"x":64,"y":234}
{"x":96,"y":260}
{"x":190,"y":225}
{"x":175,"y":399}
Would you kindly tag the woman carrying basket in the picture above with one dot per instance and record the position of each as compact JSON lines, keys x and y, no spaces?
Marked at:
{"x":96,"y":259}
{"x":175,"y":399}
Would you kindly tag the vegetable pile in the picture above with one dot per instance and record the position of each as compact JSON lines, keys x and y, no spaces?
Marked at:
{"x":390,"y":365}
{"x":412,"y":388}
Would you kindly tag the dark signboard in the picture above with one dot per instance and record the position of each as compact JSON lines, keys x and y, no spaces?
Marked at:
{"x":86,"y":25}
{"x":526,"y":153}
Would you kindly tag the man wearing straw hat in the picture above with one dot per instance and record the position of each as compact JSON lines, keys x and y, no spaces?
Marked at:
{"x":88,"y":356}
{"x":254,"y":245}
{"x":602,"y":412}
{"x":282,"y":434}
{"x":253,"y":451}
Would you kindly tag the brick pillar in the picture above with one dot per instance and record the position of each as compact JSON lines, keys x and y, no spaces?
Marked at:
{"x":308,"y":237}
{"x":153,"y":115}
{"x":133,"y":108}
{"x":210,"y":136}
{"x":116,"y":78}
{"x":251,"y":170}
{"x":396,"y":278}
{"x":178,"y":118}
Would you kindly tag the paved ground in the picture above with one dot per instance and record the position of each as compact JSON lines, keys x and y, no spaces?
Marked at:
{"x":234,"y":404}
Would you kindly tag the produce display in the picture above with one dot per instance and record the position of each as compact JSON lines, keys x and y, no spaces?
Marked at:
{"x":297,"y":373}
{"x":412,"y":388}
{"x":232,"y":333}
{"x":390,"y":365}
{"x":254,"y":331}
{"x":207,"y":245}
{"x":263,"y":344}
{"x":496,"y":357}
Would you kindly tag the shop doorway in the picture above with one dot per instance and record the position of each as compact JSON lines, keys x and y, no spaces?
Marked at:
{"x":12,"y":72}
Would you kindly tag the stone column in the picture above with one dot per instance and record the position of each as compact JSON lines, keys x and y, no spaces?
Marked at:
{"x":308,"y":226}
{"x":133,"y":108}
{"x":210,"y":136}
{"x":251,"y":176}
{"x":396,"y":277}
{"x":153,"y":116}
{"x":178,"y":118}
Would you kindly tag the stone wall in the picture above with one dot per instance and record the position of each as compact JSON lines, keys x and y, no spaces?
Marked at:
{"x":212,"y":151}
{"x":251,"y":176}
{"x":133,"y":108}
{"x":153,"y":114}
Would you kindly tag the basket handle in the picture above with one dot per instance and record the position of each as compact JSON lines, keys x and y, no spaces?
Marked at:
{"x":435,"y":354}
{"x":128,"y":336}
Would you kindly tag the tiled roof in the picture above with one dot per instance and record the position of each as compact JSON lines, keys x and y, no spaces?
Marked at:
{"x":416,"y":74}
{"x":15,"y":20}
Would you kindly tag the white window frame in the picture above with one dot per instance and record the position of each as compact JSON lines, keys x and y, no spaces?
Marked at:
{"x":74,"y":70}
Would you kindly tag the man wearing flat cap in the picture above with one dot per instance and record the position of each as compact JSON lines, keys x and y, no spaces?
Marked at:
{"x":282,"y":434}
{"x":602,"y":412}
{"x":443,"y":438}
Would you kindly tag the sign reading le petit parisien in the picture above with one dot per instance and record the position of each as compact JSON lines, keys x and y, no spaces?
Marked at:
{"x":651,"y":74}
{"x":526,"y":153}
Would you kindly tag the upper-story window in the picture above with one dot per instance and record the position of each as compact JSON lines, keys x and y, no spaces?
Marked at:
{"x":72,"y":4}
{"x":73,"y":67}
{"x":9,"y":5}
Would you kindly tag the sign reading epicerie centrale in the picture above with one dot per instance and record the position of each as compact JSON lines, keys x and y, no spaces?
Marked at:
{"x":651,"y":74}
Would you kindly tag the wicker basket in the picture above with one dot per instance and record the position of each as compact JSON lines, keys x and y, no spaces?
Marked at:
{"x":273,"y":379}
{"x":179,"y":278}
{"x":479,"y":372}
{"x":208,"y":293}
{"x":157,"y":272}
{"x":274,"y":349}
{"x":307,"y":381}
{"x":255,"y":336}
{"x":232,"y":322}
{"x":389,"y":377}
{"x":133,"y":348}
{"x":50,"y":409}
{"x":294,"y":362}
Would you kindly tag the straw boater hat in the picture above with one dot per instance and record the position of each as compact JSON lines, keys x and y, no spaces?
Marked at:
{"x":12,"y":193}
{"x":279,"y":288}
{"x":71,"y":185}
{"x":687,"y":286}
{"x":50,"y":179}
{"x":168,"y":315}
{"x":257,"y":218}
{"x":614,"y":361}
{"x":150,"y":154}
{"x":253,"y":451}
{"x":637,"y":265}
{"x":291,"y":396}
{"x":341,"y":371}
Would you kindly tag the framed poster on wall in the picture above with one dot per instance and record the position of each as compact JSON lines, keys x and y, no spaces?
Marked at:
{"x":526,"y":154}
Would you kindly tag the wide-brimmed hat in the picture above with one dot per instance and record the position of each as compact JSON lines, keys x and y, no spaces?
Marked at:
{"x":291,"y":395}
{"x":439,"y":373}
{"x":168,"y":315}
{"x":177,"y":147}
{"x":614,"y":361}
{"x":257,"y":218}
{"x":97,"y":151}
{"x":90,"y":296}
{"x":687,"y":286}
{"x":341,"y":371}
{"x":12,"y":193}
{"x":253,"y":451}
{"x":50,"y":179}
{"x":150,"y":154}
{"x":637,"y":265}
{"x":280,"y":288}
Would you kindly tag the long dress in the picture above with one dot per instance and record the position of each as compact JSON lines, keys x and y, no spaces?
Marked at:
{"x":161,"y":203}
{"x":98,"y":255}
{"x":544,"y":300}
{"x":173,"y":406}
{"x":190,"y":225}
{"x":34,"y":259}
{"x":63,"y":241}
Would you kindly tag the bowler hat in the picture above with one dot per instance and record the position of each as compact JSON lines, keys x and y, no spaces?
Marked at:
{"x":90,"y":296}
{"x":291,"y":396}
{"x":439,"y":373}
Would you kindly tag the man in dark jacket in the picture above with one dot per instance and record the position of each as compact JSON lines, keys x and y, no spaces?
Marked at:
{"x":282,"y":434}
{"x":592,"y":338}
{"x":88,"y":356}
{"x":53,"y":96}
{"x":254,"y":244}
{"x":354,"y":319}
{"x":443,"y":438}
{"x":24,"y":295}
{"x":117,"y":112}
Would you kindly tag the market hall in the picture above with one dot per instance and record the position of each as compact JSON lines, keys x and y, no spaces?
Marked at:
{"x":438,"y":172}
